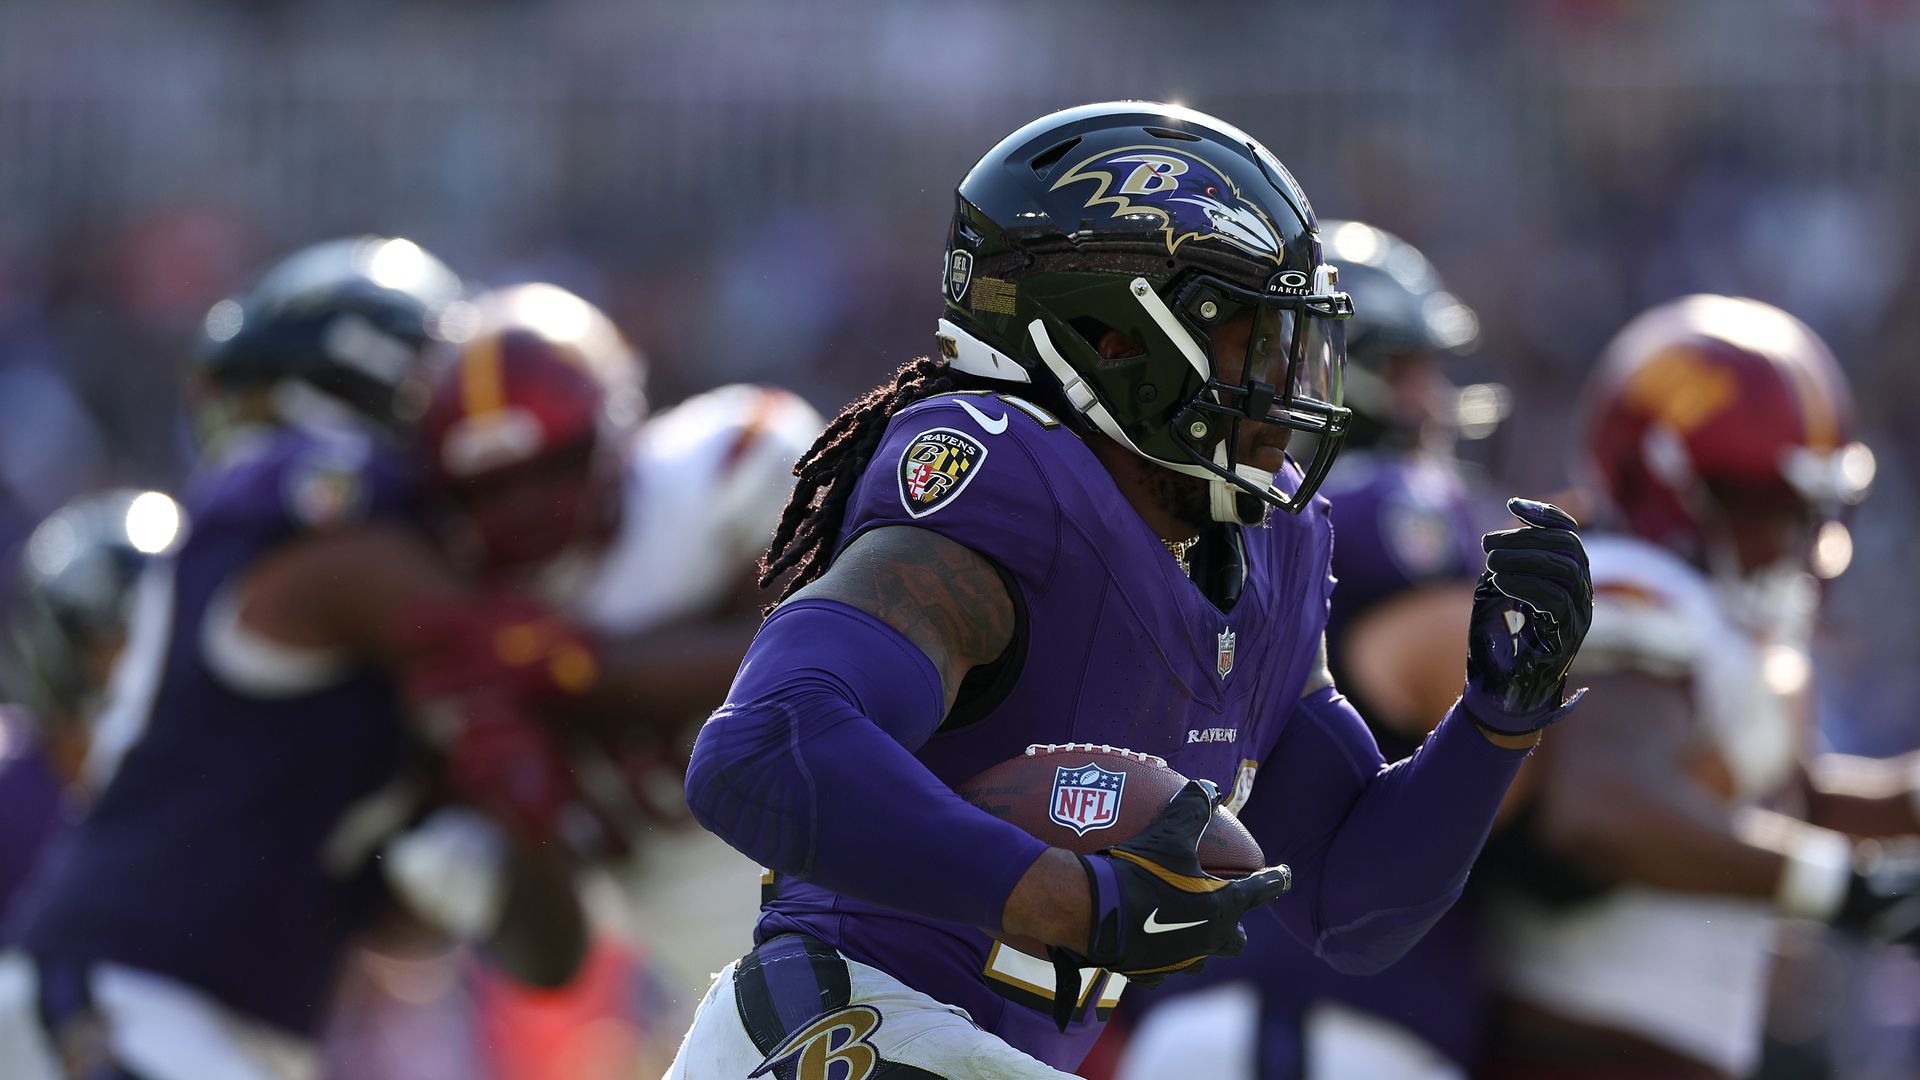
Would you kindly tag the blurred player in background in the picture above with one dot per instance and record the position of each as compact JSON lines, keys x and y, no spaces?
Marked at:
{"x":1405,"y":562}
{"x":548,"y":476}
{"x":66,"y":624}
{"x":260,"y":749}
{"x":1668,"y":835}
{"x":1058,"y":531}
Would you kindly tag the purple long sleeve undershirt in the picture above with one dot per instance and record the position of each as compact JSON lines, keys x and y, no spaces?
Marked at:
{"x":1379,"y":852}
{"x":808,"y":768}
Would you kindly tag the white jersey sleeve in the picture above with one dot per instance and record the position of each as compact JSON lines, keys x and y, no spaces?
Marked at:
{"x":1685,"y":970}
{"x":706,"y":481}
{"x":1652,"y":612}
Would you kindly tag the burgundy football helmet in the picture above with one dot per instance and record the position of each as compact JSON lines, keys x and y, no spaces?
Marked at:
{"x":1708,"y":414}
{"x":525,"y":434}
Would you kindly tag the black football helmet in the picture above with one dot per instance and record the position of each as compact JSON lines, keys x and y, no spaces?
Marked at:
{"x":1401,"y":310}
{"x":72,"y":591}
{"x":1160,"y":223}
{"x":349,"y":319}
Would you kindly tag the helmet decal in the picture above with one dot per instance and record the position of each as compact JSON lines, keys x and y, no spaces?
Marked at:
{"x":959,"y":274}
{"x":1193,"y":199}
{"x":1682,"y":389}
{"x":483,"y":387}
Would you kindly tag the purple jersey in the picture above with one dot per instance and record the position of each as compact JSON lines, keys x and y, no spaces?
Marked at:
{"x":1119,"y":647}
{"x":231,"y":848}
{"x":32,"y":803}
{"x":1403,"y":521}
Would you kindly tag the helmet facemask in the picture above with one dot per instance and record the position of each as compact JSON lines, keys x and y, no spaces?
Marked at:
{"x":1173,"y":403}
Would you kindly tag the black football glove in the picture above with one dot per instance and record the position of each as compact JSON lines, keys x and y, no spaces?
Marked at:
{"x":1883,"y":897}
{"x":1155,"y":911}
{"x":1530,"y":613}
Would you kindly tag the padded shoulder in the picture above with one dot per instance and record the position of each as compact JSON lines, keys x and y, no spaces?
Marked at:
{"x":731,"y":427}
{"x":1403,"y":521}
{"x":1652,"y":611}
{"x":292,"y":482}
{"x":984,"y":470}
{"x":735,"y":447}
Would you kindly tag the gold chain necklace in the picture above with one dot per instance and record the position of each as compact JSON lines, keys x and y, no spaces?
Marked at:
{"x":1179,"y":549}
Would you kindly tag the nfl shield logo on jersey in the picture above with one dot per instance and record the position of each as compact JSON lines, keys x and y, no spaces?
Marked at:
{"x":1086,"y":798}
{"x":1224,"y":659}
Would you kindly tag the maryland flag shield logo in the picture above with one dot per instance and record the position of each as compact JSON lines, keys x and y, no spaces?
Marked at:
{"x":937,"y":464}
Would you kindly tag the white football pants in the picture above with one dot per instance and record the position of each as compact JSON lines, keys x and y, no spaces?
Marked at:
{"x":153,"y":1025}
{"x":876,"y":1027}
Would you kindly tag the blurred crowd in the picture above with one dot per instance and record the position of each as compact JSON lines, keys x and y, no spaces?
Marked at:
{"x":750,"y":189}
{"x":754,"y":191}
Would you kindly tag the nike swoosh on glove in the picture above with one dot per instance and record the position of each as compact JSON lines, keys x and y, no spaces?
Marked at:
{"x":1531,"y":611}
{"x":1155,"y":911}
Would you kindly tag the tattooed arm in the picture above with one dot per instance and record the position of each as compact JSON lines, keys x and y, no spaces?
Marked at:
{"x":942,"y":596}
{"x":809,"y":767}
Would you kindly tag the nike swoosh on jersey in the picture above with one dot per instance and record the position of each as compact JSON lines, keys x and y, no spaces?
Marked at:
{"x":993,"y":427}
{"x":1153,"y":925}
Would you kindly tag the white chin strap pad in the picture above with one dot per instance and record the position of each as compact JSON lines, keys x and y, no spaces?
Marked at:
{"x":967,"y":353}
{"x":1226,"y":497}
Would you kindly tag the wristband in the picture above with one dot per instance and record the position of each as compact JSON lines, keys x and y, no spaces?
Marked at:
{"x":1819,"y":867}
{"x":450,"y":870}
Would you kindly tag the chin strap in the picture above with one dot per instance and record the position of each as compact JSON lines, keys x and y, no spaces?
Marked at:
{"x":1229,"y":503}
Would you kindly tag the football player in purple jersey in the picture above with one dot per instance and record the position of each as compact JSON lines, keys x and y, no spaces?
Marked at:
{"x":263,"y":769}
{"x":1406,"y":564}
{"x":1059,"y":529}
{"x":66,"y":623}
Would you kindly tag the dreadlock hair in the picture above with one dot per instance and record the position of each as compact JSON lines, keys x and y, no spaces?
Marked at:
{"x":834,"y":464}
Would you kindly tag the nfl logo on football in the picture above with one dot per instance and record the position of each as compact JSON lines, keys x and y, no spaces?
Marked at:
{"x":1086,"y":798}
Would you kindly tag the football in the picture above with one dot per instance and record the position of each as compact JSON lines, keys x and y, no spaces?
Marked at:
{"x":1086,"y":797}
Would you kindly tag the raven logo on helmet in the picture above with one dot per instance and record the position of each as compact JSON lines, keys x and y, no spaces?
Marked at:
{"x":1193,"y":199}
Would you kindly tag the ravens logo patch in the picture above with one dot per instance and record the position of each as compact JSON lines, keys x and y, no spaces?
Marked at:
{"x":937,"y":464}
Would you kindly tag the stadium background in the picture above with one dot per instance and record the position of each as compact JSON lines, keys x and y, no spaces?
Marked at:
{"x":758,"y":190}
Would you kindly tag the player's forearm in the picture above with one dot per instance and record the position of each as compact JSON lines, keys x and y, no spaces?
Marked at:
{"x":807,"y":770}
{"x":1402,"y":855}
{"x":1663,"y":835}
{"x":1865,"y":797}
{"x":1051,"y":902}
{"x":670,"y":676}
{"x":542,"y":936}
{"x":809,"y":787}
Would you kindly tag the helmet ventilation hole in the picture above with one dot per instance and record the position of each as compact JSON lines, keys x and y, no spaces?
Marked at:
{"x":1094,"y":332}
{"x":1051,"y":156}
